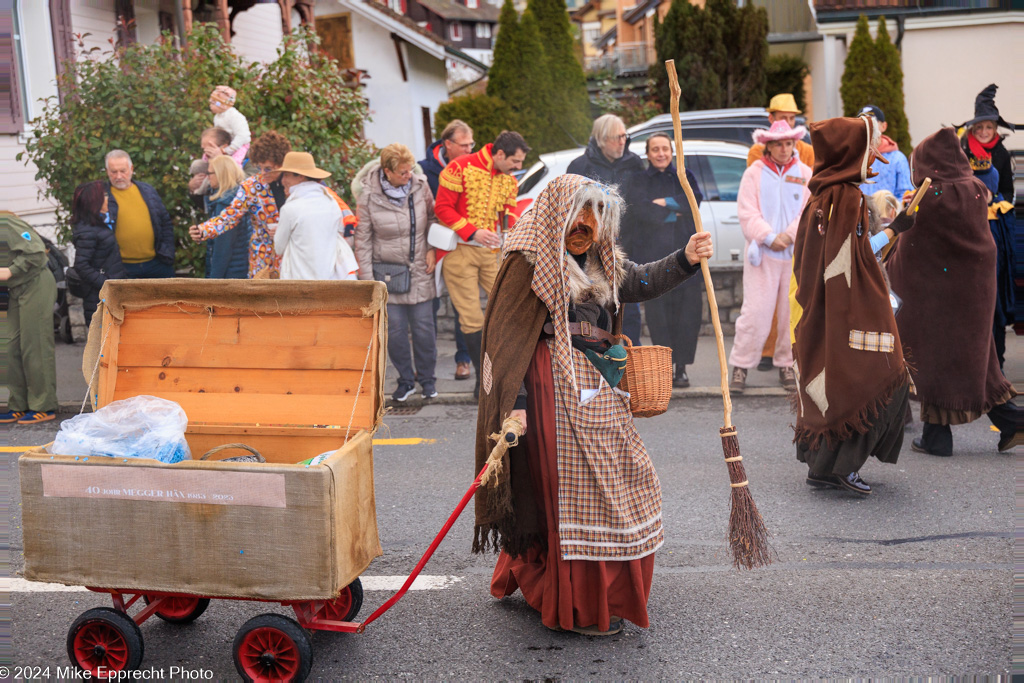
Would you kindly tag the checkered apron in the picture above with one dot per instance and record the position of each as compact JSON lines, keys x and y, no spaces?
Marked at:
{"x":609,"y":496}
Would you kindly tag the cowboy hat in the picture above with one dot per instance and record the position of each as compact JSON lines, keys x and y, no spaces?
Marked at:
{"x":780,"y":130}
{"x":302,"y":163}
{"x":783,"y":102}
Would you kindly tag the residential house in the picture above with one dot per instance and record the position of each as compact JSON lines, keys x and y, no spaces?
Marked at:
{"x":467,"y":25}
{"x":403,"y":64}
{"x":944,"y":67}
{"x":618,"y":35}
{"x":594,"y":19}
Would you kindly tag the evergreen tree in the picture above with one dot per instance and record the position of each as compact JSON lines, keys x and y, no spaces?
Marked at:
{"x":568,"y":111}
{"x":745,"y":34}
{"x":890,"y":89}
{"x":693,"y":37}
{"x":786,"y":73}
{"x":519,"y":78}
{"x":859,"y":84}
{"x":507,"y":65}
{"x":720,"y":51}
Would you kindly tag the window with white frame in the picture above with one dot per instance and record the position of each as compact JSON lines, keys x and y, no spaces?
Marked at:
{"x":483,"y":30}
{"x":455,"y":32}
{"x":472,"y":4}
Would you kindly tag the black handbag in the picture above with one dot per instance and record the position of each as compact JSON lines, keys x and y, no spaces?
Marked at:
{"x":75,"y":284}
{"x":397,"y":276}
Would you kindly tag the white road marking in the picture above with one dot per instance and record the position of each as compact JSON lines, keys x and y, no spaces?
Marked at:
{"x":370,"y":583}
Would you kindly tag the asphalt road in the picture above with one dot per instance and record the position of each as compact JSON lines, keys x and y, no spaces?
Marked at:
{"x":914,"y":581}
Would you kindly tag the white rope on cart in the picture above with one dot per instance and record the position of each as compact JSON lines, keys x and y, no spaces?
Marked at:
{"x":95,"y":369}
{"x":359,"y":390}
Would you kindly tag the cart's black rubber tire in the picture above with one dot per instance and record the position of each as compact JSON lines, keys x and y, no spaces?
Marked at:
{"x":356,"y":590}
{"x":105,"y":637}
{"x":272,"y":647}
{"x":181,"y":611}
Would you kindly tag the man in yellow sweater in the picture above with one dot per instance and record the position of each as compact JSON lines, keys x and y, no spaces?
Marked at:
{"x":783,"y":107}
{"x":141,"y":223}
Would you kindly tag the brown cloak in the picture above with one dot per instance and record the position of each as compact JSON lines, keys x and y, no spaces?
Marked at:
{"x":843,"y":294}
{"x":944,"y":268}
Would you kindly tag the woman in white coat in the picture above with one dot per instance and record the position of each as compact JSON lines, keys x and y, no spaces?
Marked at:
{"x":310,"y":236}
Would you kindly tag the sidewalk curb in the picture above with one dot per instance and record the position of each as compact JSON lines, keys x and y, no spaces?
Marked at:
{"x":466,"y":398}
{"x":461,"y":398}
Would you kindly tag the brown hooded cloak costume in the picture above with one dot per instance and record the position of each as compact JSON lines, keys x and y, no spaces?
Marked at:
{"x":577,"y":509}
{"x":852,"y":379}
{"x":944,"y":268}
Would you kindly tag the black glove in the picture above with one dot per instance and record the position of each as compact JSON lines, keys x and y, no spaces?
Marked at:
{"x":902,"y":222}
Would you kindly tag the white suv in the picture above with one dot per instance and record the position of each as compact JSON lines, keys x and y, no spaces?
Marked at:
{"x":717,"y":166}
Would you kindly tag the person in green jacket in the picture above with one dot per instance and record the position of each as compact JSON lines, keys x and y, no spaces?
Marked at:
{"x":32,"y":367}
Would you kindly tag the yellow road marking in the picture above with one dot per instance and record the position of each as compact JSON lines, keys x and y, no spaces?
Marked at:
{"x":16,"y":449}
{"x":413,"y":441}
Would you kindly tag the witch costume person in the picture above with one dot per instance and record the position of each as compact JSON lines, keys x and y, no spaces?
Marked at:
{"x":982,"y":143}
{"x":576,"y":511}
{"x":944,"y":268}
{"x":852,"y":380}
{"x":989,"y":159}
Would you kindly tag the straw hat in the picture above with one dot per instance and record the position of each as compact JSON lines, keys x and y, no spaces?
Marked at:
{"x":302,"y":163}
{"x":780,"y":130}
{"x":783,"y":102}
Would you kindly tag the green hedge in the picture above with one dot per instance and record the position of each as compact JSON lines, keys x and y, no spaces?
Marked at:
{"x":152,"y":101}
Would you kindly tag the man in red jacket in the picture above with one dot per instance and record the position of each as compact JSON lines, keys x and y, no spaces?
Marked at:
{"x":476,"y":198}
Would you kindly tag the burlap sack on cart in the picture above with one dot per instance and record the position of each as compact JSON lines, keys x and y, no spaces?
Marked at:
{"x":299,"y":533}
{"x":271,"y":531}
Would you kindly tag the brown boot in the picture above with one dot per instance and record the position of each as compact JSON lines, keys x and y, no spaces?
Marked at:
{"x":463,"y":370}
{"x":787,"y":378}
{"x":738,"y":383}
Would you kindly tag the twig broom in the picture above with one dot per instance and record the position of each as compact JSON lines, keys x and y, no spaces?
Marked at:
{"x":748,"y":536}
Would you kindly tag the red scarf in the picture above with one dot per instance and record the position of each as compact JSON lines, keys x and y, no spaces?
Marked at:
{"x":982,"y":151}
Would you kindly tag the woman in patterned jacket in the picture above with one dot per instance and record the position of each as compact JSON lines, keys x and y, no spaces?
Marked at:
{"x":260,"y":196}
{"x":577,"y":512}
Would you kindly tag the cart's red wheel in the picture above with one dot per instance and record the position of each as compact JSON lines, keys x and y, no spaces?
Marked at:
{"x":179,"y":609}
{"x":105,"y":641}
{"x":346,"y":606}
{"x":272,"y":647}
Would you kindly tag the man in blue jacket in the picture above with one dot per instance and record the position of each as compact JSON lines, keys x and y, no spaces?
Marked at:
{"x":894,"y":176}
{"x":142,"y":225}
{"x":456,"y":141}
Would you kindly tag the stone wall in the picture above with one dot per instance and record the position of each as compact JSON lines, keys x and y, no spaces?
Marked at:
{"x":728,"y":281}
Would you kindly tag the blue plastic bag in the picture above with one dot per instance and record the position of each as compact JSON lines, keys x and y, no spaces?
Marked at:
{"x":137,"y":427}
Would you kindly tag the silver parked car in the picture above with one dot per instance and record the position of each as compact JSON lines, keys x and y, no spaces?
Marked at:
{"x":717,"y":166}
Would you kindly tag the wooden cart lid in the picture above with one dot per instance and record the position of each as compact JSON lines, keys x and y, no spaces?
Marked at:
{"x":244,"y":352}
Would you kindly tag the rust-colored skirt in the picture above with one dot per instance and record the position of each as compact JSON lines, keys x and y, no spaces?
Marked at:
{"x":565,"y":592}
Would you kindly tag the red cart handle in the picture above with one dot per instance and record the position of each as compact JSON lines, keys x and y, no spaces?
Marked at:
{"x":512,"y":429}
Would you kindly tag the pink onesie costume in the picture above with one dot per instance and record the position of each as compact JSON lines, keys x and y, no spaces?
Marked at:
{"x":770,"y":202}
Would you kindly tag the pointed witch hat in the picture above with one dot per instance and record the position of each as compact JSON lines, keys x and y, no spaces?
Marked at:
{"x":985,"y":109}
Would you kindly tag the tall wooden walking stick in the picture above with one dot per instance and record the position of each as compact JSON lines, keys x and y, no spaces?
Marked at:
{"x":748,"y":536}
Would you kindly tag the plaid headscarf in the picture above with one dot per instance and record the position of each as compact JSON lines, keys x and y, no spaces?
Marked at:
{"x":541,"y":231}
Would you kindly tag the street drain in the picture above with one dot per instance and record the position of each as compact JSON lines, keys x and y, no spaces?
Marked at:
{"x":404,"y":410}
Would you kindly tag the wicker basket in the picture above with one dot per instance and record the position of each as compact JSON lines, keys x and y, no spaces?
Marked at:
{"x":648,"y":378}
